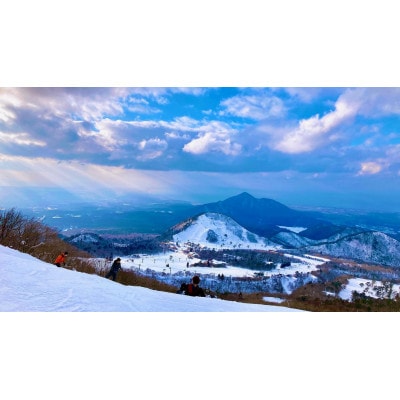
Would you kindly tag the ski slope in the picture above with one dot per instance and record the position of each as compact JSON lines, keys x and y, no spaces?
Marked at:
{"x":28,"y":284}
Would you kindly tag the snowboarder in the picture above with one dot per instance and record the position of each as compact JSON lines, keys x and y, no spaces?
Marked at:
{"x":115,"y":267}
{"x":193,"y":289}
{"x":60,"y":260}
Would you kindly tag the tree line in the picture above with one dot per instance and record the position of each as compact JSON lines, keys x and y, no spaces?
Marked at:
{"x":31,"y":236}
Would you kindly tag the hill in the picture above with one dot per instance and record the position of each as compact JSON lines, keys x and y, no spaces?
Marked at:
{"x":373,"y":247}
{"x":218,"y":230}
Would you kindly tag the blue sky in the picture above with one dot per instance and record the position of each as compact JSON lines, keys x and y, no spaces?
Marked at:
{"x":198,"y":103}
{"x":334,"y":147}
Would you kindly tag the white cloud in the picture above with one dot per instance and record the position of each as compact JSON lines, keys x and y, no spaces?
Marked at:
{"x":370,"y":168}
{"x":86,"y":103}
{"x":21,"y":139}
{"x":213,"y":142}
{"x":254,"y":107}
{"x":374,"y":102}
{"x":117,"y":135}
{"x":174,"y":135}
{"x":107,"y":135}
{"x":143,"y":109}
{"x":306,"y":95}
{"x":182,"y":124}
{"x":6,"y":115}
{"x":151,"y":149}
{"x":316,"y":131}
{"x":213,"y":136}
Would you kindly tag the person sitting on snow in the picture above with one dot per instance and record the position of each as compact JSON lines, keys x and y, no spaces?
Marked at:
{"x":193,"y":289}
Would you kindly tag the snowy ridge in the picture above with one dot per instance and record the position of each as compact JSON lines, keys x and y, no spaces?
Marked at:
{"x":86,"y":237}
{"x":292,"y":239}
{"x":375,"y":247}
{"x":216,"y":230}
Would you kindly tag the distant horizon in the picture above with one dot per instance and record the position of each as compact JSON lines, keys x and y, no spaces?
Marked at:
{"x":56,"y":197}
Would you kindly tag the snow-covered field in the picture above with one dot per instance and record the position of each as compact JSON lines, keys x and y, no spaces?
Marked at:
{"x":176,"y":261}
{"x":367,"y":286}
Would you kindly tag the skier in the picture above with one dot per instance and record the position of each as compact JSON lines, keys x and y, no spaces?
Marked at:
{"x":193,"y":289}
{"x":115,"y":267}
{"x":61,"y":259}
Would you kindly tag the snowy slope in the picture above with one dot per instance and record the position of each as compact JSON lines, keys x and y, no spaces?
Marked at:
{"x":375,"y":247}
{"x":215,"y":230}
{"x":28,"y":284}
{"x":368,"y":287}
{"x":85,"y":237}
{"x":292,"y":239}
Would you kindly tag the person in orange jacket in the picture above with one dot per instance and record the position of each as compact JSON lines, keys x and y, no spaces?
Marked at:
{"x":61,"y":259}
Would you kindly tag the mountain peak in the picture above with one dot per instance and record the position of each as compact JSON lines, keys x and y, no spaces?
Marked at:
{"x":218,"y":230}
{"x":244,"y":195}
{"x":258,"y":215}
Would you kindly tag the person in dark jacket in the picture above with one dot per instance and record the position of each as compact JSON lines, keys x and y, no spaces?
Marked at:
{"x":182,"y":289}
{"x":115,"y":267}
{"x":193,"y":289}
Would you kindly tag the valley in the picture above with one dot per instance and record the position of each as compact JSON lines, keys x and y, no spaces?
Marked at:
{"x":231,"y":259}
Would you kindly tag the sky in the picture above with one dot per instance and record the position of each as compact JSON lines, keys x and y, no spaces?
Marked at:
{"x":302,"y":146}
{"x":172,"y":104}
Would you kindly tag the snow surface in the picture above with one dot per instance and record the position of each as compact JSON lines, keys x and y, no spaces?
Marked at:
{"x":176,"y":261}
{"x":367,"y":286}
{"x":28,"y":284}
{"x":85,"y":238}
{"x":228,"y":233}
{"x":295,"y":229}
{"x":273,"y":299}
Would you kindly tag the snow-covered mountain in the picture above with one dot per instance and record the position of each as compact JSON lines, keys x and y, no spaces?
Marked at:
{"x":342,"y":233}
{"x":261,"y":216}
{"x":292,"y":239}
{"x":85,"y":237}
{"x":375,"y":247}
{"x":350,"y":242}
{"x":215,"y":230}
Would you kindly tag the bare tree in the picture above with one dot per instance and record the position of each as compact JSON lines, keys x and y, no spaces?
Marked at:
{"x":11,"y":225}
